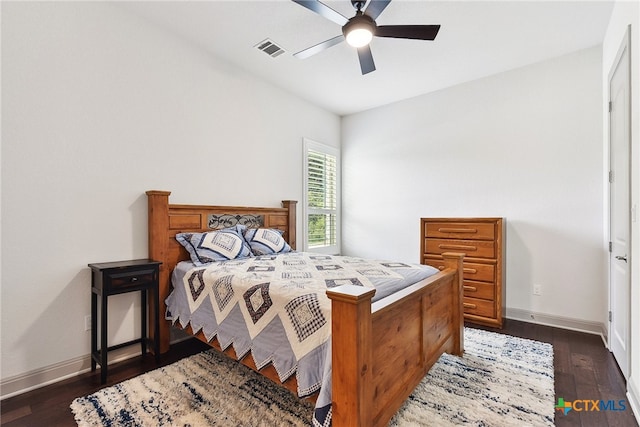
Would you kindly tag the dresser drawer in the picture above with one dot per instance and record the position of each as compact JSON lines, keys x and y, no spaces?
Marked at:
{"x":481,"y":290}
{"x":471,"y":248}
{"x":130,"y":278}
{"x":479,"y":307}
{"x":460,"y":230}
{"x":475,"y":271}
{"x":471,"y":270}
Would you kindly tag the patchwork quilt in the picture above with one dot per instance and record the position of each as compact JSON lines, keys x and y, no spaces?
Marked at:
{"x":275,"y":306}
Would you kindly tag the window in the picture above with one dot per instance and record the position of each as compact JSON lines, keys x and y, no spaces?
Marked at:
{"x":321,"y":198}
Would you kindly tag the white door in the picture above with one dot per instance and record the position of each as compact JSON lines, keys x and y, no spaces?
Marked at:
{"x":619,"y":185}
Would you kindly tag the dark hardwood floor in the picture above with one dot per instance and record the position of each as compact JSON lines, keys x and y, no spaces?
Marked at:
{"x":584,"y":370}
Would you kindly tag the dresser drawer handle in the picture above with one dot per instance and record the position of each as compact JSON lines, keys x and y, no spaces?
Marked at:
{"x":459,"y":247}
{"x":470,"y":288}
{"x":467,"y":305}
{"x":134,"y":279}
{"x":457,"y":230}
{"x":469,"y":270}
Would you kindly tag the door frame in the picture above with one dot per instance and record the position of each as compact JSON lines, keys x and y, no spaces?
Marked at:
{"x":625,"y":44}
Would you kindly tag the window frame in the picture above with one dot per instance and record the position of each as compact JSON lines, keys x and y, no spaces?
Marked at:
{"x":310,"y":145}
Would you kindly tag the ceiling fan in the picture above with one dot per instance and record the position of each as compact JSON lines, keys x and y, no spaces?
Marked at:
{"x":359,"y":30}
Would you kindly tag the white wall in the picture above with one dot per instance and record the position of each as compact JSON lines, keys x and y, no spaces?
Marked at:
{"x":627,"y":13}
{"x":525,"y":145}
{"x":98,"y":107}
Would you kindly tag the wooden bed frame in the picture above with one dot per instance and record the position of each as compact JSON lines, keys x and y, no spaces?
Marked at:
{"x":380,"y":351}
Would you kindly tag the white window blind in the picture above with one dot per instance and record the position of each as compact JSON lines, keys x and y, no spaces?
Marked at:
{"x":321,"y":198}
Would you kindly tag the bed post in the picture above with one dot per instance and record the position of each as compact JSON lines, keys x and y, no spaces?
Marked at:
{"x":352,"y":343}
{"x":454,"y":260}
{"x":291,"y":223}
{"x":158,"y":202}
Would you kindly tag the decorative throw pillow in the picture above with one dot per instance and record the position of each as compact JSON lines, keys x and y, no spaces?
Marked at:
{"x":265,"y":241}
{"x":219,"y":245}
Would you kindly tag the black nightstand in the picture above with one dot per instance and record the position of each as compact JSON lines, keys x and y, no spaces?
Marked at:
{"x":112,"y":278}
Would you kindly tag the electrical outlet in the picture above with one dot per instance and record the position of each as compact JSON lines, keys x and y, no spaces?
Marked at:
{"x":87,"y":323}
{"x":537,"y":290}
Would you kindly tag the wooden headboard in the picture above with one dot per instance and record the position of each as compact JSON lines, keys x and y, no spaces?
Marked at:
{"x":166,"y":220}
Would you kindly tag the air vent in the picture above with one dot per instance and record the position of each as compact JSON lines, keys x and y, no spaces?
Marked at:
{"x":270,"y":48}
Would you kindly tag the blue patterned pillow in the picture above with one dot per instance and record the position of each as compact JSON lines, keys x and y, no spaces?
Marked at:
{"x":265,"y":241}
{"x":219,"y":245}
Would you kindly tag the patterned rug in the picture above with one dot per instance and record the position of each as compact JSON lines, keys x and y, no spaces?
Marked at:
{"x":500,"y":381}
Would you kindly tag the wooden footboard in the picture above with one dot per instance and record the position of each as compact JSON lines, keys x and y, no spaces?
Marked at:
{"x":381,"y":351}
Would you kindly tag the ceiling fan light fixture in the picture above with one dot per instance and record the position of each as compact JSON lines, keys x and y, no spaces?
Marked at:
{"x":359,"y":37}
{"x":359,"y":30}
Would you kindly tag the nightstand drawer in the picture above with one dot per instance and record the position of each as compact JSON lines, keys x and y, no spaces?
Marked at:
{"x":478,"y":307}
{"x":460,"y":230}
{"x":471,"y":248}
{"x":479,"y":290}
{"x":131,"y":278}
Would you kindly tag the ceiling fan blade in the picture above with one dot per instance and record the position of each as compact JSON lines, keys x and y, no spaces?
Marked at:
{"x":376,"y":7}
{"x":417,"y":32}
{"x":323,"y":10}
{"x":310,"y":51}
{"x":366,"y":60}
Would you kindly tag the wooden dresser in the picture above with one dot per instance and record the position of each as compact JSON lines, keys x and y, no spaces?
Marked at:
{"x":481,"y":239}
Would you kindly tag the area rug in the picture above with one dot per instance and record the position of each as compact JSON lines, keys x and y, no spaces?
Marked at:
{"x":500,"y":381}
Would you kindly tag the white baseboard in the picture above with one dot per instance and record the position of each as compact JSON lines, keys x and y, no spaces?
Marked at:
{"x":32,"y":380}
{"x":60,"y":371}
{"x":633,"y":397}
{"x":37,"y":378}
{"x":596,"y":328}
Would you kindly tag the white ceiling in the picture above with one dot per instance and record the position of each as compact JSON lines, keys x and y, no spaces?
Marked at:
{"x":477,"y":39}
